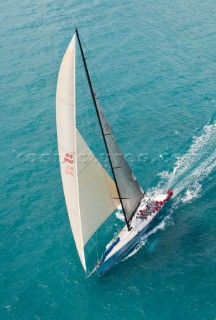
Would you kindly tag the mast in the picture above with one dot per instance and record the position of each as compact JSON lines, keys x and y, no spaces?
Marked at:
{"x":97,"y":112}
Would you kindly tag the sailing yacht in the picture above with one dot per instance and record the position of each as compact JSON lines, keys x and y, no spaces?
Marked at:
{"x":91,"y":194}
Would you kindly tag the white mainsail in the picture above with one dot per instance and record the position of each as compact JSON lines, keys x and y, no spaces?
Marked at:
{"x":90,"y":193}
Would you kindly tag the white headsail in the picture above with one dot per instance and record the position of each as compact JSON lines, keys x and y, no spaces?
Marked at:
{"x":90,"y":193}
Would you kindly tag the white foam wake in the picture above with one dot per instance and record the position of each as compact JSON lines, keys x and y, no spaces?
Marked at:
{"x":119,"y":215}
{"x":189,"y":171}
{"x":194,"y":166}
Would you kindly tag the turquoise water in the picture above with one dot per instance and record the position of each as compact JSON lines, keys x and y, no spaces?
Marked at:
{"x":158,"y":60}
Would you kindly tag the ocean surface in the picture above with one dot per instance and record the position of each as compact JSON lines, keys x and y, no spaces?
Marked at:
{"x":156,"y":61}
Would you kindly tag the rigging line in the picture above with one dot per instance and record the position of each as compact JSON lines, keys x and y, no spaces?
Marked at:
{"x":98,"y":115}
{"x":122,"y":198}
{"x":97,"y":244}
{"x":100,"y":83}
{"x":89,"y":119}
{"x":102,"y":88}
{"x":107,"y":99}
{"x":104,"y":83}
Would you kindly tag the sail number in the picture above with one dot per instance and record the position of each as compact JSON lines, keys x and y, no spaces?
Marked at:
{"x":69,"y":170}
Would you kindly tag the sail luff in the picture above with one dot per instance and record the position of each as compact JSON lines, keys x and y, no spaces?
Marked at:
{"x":76,"y":153}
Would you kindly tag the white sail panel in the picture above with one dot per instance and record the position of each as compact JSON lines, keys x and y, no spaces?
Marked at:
{"x":66,"y":130}
{"x":97,"y":191}
{"x":90,"y":193}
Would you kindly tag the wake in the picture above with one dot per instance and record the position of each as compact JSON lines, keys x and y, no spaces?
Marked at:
{"x":191,"y":168}
{"x":188,"y":173}
{"x":196,"y":165}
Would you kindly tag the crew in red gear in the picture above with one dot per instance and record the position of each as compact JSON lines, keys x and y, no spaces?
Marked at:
{"x":170,"y":193}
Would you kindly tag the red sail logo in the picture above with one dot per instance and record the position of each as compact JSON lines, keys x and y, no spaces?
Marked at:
{"x":69,"y":159}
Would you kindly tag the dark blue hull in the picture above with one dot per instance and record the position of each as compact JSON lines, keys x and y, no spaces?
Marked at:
{"x":107,"y":264}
